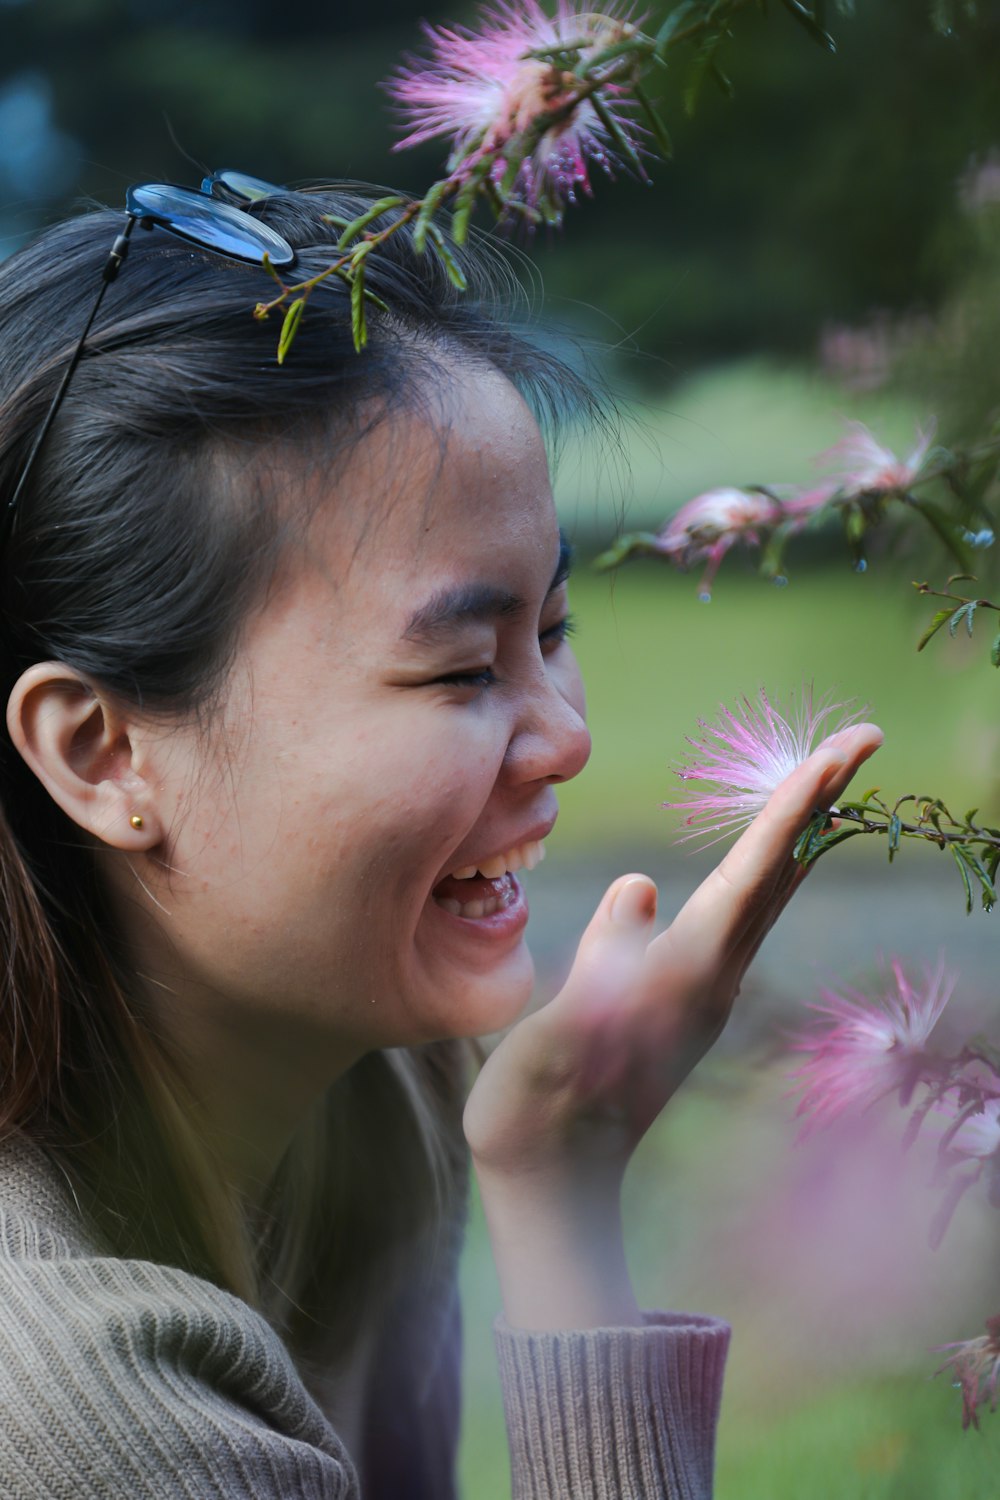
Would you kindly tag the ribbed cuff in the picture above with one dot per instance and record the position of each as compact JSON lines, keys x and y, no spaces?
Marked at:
{"x":614,"y":1413}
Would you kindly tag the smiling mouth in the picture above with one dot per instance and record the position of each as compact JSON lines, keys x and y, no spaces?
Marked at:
{"x":480,"y":891}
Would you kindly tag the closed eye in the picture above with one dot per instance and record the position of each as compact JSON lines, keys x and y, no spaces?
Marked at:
{"x":557,"y":633}
{"x":485,"y":677}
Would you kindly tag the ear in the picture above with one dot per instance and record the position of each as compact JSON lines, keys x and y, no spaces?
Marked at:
{"x":80,"y":748}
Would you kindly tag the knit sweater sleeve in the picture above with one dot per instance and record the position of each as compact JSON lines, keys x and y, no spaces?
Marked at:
{"x":126,"y":1378}
{"x":614,"y":1413}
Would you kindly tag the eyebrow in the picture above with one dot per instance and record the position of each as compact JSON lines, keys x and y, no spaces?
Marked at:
{"x":449,"y":610}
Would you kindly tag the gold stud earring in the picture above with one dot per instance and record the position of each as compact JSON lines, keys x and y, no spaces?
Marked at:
{"x":136,"y":821}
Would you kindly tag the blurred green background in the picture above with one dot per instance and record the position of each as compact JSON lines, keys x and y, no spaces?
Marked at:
{"x":824,"y":245}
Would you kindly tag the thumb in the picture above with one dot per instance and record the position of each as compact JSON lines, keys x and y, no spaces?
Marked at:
{"x":613,"y":948}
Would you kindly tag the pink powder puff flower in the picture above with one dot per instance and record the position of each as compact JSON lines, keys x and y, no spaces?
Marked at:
{"x":745,"y":757}
{"x":706,"y":527}
{"x":978,"y":1133}
{"x":865,"y":467}
{"x":868,"y":1048}
{"x":481,"y":89}
{"x":975,"y":1367}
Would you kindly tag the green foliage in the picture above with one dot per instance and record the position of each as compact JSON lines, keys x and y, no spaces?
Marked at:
{"x":289,"y":326}
{"x":843,"y":218}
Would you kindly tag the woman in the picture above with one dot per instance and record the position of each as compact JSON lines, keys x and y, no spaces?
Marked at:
{"x":289,"y":692}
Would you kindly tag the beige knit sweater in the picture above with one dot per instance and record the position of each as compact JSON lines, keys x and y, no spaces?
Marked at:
{"x":126,"y":1380}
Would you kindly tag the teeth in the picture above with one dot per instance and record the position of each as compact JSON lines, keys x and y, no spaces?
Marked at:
{"x":522,"y":857}
{"x":474,"y":909}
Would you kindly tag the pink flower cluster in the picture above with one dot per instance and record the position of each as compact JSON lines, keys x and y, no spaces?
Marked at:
{"x":704,"y":529}
{"x":484,"y":90}
{"x":975,"y":1367}
{"x":866,"y":1049}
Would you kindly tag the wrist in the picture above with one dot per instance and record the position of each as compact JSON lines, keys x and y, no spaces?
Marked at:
{"x":559,"y":1252}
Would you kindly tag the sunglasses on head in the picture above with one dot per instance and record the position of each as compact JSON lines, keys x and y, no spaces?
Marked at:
{"x":210,"y":217}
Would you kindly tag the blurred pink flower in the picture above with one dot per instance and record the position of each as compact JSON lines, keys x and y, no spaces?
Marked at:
{"x":978,"y":1134}
{"x":706,"y":527}
{"x":865,"y":467}
{"x":975,"y":1367}
{"x":743,"y":758}
{"x":480,"y":88}
{"x":859,"y":358}
{"x":868,"y":1048}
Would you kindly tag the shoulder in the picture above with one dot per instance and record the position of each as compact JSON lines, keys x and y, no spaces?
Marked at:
{"x":125,"y":1377}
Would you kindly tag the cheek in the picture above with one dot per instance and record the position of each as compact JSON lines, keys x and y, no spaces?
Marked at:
{"x":403,"y":800}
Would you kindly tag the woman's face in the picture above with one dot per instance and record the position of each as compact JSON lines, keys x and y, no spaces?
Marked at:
{"x":398,"y":717}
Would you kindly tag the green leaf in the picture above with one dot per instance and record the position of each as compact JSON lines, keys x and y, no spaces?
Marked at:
{"x":966,"y":612}
{"x":464,"y":204}
{"x":855,"y":523}
{"x":895,"y":828}
{"x":806,"y":19}
{"x":725,"y":83}
{"x":655,"y":121}
{"x":359,"y":322}
{"x":290,"y":326}
{"x":946,"y":529}
{"x":933,"y":628}
{"x":823,"y":842}
{"x":805,"y":850}
{"x":455,"y":273}
{"x":682,"y":13}
{"x":704,"y":63}
{"x":375,"y":301}
{"x":515,"y":161}
{"x":360,"y":224}
{"x":995,"y":652}
{"x":969,"y":861}
{"x":956,"y":850}
{"x":428,"y":208}
{"x":986,"y":881}
{"x":587,"y":67}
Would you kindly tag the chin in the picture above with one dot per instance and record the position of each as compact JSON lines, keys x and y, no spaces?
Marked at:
{"x":483,"y":1003}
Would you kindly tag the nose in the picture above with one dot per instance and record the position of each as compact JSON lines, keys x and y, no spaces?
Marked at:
{"x":551,"y":741}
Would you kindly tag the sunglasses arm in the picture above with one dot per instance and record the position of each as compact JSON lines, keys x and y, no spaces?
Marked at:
{"x":113,"y":264}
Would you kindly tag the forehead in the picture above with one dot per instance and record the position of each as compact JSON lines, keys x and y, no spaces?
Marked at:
{"x":460,"y":481}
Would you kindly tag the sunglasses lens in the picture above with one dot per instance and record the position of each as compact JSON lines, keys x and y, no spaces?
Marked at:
{"x":241,"y":186}
{"x":208,"y":222}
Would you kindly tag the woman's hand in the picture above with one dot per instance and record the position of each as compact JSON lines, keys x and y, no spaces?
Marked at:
{"x":562,"y":1102}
